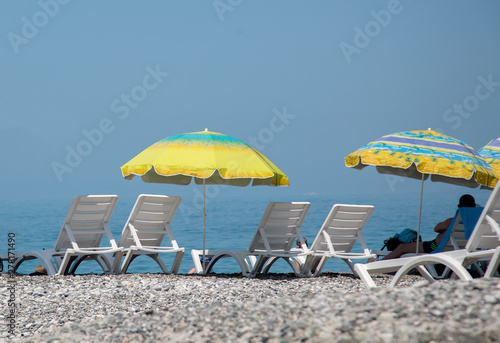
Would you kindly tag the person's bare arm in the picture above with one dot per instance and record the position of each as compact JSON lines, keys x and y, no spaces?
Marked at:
{"x":441,"y":227}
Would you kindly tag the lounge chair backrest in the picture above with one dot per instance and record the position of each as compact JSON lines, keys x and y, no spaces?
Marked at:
{"x":87,"y":222}
{"x":280,"y":226}
{"x":149,"y":221}
{"x":342,"y":229}
{"x":460,"y":229}
{"x":486,"y":233}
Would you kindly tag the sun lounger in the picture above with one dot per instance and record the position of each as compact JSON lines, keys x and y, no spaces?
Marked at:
{"x":274,"y":237}
{"x":80,"y":237}
{"x":455,"y":237}
{"x":144,"y":232}
{"x":342,"y":229}
{"x":483,"y":244}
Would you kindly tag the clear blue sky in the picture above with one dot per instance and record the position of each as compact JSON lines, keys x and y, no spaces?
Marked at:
{"x":306,"y":82}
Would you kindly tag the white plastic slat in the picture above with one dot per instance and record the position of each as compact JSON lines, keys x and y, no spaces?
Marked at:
{"x":92,"y":207}
{"x":274,"y":222}
{"x":350,"y":216}
{"x":145,"y":226}
{"x":156,"y":207}
{"x":151,"y":216}
{"x":342,"y":231}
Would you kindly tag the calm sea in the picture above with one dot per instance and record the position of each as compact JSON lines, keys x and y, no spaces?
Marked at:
{"x":231,"y":224}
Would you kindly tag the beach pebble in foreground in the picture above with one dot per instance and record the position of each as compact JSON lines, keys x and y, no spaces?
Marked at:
{"x":334,"y":307}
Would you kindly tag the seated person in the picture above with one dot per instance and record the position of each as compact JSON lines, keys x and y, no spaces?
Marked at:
{"x":315,"y":260}
{"x":39,"y":270}
{"x":466,"y":200}
{"x":207,"y":262}
{"x":299,"y":246}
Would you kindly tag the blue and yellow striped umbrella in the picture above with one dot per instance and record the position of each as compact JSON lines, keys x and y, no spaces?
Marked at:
{"x":491,"y":153}
{"x":418,"y":154}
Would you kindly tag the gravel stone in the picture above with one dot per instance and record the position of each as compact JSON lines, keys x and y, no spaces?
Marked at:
{"x":274,"y":308}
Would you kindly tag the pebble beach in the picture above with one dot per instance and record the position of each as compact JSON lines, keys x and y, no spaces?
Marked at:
{"x":334,"y":307}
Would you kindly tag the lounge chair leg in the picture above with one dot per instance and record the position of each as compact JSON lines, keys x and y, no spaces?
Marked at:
{"x":292,"y":264}
{"x":63,"y":268}
{"x":493,"y":265}
{"x":351,"y":265}
{"x":40,"y":255}
{"x":259,"y":265}
{"x":419,"y":263}
{"x":160,"y":263}
{"x":195,"y":254}
{"x":104,"y":263}
{"x":319,"y":265}
{"x":71,"y":268}
{"x":129,"y":257}
{"x":177,"y":262}
{"x":364,"y":275}
{"x":117,"y":261}
{"x":269,"y":264}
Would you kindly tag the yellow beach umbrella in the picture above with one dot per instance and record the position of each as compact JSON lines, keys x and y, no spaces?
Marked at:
{"x":208,"y":158}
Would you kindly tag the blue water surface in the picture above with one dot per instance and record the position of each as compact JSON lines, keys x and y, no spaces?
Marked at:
{"x":231,"y":224}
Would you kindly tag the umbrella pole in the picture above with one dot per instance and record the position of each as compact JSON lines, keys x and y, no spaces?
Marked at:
{"x":420,"y":212}
{"x":204,"y":225}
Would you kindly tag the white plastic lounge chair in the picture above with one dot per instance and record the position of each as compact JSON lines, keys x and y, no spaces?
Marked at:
{"x":80,"y":237}
{"x":145,"y":229}
{"x":341,"y":230}
{"x":483,"y":244}
{"x":339,"y":233}
{"x":274,"y":237}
